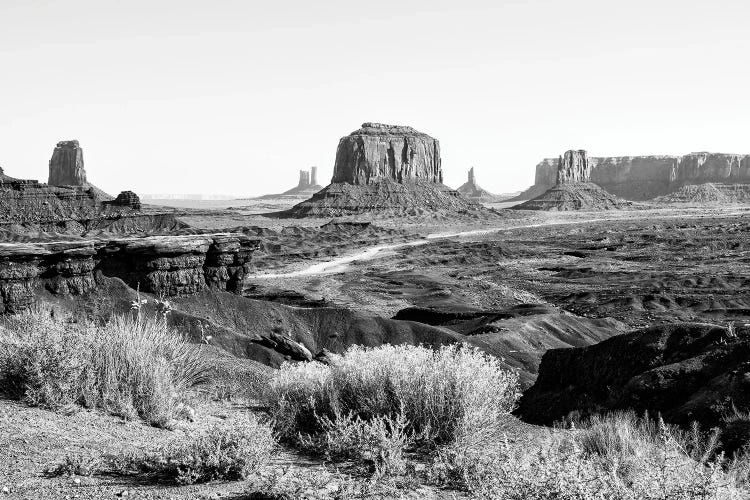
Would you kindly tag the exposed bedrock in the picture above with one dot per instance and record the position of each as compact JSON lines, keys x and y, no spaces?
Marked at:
{"x":573,"y":167}
{"x":386,"y":169}
{"x":685,"y":372}
{"x":66,"y":165}
{"x":573,"y":189}
{"x":646,"y":177}
{"x":378,"y":151}
{"x":127,"y":199}
{"x":471,"y":190}
{"x":163,"y":265}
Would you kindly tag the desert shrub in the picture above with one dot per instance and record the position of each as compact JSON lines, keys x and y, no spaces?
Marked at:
{"x":231,"y":450}
{"x":445,"y":395}
{"x":379,"y":442}
{"x":132,"y":368}
{"x":616,"y":456}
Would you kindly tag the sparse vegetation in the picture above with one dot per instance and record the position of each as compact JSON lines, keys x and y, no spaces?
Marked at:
{"x":617,"y":456}
{"x":129,"y":367}
{"x":231,"y":450}
{"x":455,"y":393}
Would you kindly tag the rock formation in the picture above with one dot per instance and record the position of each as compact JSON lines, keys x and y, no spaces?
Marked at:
{"x":386,"y":169}
{"x":29,"y":202}
{"x":646,"y":177}
{"x":378,"y":151}
{"x":685,"y":372}
{"x":573,"y":168}
{"x":126,"y":199}
{"x":573,"y":189}
{"x":163,"y":265}
{"x":307,"y":186}
{"x":66,"y":165}
{"x":473,"y":191}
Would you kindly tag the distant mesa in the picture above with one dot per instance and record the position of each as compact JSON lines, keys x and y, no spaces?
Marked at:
{"x":472,"y":191}
{"x":384,"y":168}
{"x":573,"y":189}
{"x":67,"y":197}
{"x":641,"y":178}
{"x":306,"y":187}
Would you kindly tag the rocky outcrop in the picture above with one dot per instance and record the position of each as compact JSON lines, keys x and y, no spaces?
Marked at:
{"x":126,"y":199}
{"x":647,"y":177}
{"x":573,"y":168}
{"x":685,"y":372}
{"x":573,"y":189}
{"x":473,"y":191}
{"x":66,"y":165}
{"x":378,"y":151}
{"x":307,"y":186}
{"x":163,"y":265}
{"x":391,"y":170}
{"x":29,"y":202}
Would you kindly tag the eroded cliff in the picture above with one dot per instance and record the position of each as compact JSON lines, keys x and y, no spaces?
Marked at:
{"x":162,"y":265}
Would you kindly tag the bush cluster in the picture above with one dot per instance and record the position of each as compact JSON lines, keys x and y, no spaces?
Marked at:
{"x":613,"y":456}
{"x":450,"y":394}
{"x":231,"y":450}
{"x":129,"y":367}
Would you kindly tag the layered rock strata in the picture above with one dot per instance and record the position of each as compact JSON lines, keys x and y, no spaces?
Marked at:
{"x":389,"y":169}
{"x":646,"y":177}
{"x":66,"y":165}
{"x":573,"y":167}
{"x":126,"y":199}
{"x":573,"y":189}
{"x":163,"y":265}
{"x":379,"y":151}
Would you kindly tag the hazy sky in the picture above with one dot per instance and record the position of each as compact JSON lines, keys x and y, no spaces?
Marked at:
{"x":236,"y":96}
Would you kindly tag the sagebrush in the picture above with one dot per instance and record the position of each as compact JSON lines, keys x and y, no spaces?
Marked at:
{"x":231,"y":450}
{"x":129,"y":367}
{"x":444,"y":395}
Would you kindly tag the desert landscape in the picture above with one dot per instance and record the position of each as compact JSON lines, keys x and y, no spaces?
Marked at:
{"x":571,"y":305}
{"x":474,"y":295}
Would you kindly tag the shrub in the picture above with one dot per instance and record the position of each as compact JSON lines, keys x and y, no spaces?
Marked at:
{"x":380,"y":441}
{"x":617,"y":456}
{"x":231,"y":450}
{"x":455,"y":393}
{"x":132,"y":368}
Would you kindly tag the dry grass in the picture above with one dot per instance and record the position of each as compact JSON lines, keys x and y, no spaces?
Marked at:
{"x":129,"y":367}
{"x":232,"y":451}
{"x":445,"y":395}
{"x":616,"y":456}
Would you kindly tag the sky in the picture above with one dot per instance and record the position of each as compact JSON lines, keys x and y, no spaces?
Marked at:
{"x":235,"y":97}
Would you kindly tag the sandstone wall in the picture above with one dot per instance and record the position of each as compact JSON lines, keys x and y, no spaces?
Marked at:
{"x":573,"y":167}
{"x":646,"y":177}
{"x":378,"y":151}
{"x":66,"y":165}
{"x":162,"y":265}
